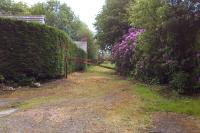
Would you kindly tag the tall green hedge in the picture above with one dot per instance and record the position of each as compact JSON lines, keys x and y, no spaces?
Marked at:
{"x":73,"y":54}
{"x":30,"y":50}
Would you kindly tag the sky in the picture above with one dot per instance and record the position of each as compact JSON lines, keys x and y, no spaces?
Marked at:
{"x":85,"y":9}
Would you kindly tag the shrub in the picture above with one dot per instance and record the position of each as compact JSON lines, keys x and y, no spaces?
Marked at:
{"x":1,"y":78}
{"x":180,"y":81}
{"x":79,"y":65}
{"x":168,"y":51}
{"x":23,"y":80}
{"x":74,"y":53}
{"x":31,"y":51}
{"x":123,"y":51}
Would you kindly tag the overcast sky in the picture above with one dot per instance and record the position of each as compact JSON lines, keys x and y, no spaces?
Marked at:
{"x":85,"y":9}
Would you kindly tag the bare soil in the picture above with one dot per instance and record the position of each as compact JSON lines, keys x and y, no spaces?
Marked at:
{"x":175,"y":123}
{"x":92,"y":102}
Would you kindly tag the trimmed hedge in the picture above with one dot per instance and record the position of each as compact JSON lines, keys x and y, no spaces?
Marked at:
{"x":75,"y":52}
{"x":30,"y":51}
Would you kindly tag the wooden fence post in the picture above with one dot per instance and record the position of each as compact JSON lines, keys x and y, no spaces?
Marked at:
{"x":66,"y":67}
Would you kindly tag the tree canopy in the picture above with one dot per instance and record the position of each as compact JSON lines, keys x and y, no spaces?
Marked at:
{"x":112,"y":22}
{"x":8,"y":7}
{"x":60,"y":16}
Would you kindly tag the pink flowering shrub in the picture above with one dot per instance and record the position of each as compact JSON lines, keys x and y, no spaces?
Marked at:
{"x":146,"y":58}
{"x":123,"y":51}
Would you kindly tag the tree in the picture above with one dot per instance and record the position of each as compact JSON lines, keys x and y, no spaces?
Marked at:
{"x":112,"y":22}
{"x":57,"y":14}
{"x":8,"y":7}
{"x":20,"y":9}
{"x":192,"y":5}
{"x":84,"y":33}
{"x":5,"y":6}
{"x":60,"y":16}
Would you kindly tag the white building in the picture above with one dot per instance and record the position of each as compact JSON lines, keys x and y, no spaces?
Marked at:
{"x":82,"y":45}
{"x":39,"y":19}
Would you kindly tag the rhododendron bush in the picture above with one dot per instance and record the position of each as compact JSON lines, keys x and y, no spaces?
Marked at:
{"x":167,"y":52}
{"x":123,"y":51}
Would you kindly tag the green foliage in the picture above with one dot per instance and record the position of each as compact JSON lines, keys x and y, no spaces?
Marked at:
{"x":92,"y":47}
{"x":60,"y":16}
{"x":1,"y":78}
{"x":32,"y":51}
{"x":148,"y":14}
{"x":24,"y":80}
{"x":168,"y":50}
{"x":108,"y":64}
{"x":8,"y":7}
{"x":52,"y":10}
{"x":157,"y":100}
{"x":112,"y":22}
{"x":20,"y":9}
{"x":79,"y":65}
{"x":56,"y":15}
{"x":180,"y":81}
{"x":92,"y":50}
{"x":73,"y":54}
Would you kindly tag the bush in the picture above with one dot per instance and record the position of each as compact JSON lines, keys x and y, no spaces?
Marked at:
{"x":81,"y":54}
{"x":122,"y":52}
{"x":180,"y":81}
{"x":23,"y":80}
{"x":1,"y":78}
{"x":75,"y":53}
{"x":33,"y":51}
{"x":168,"y":51}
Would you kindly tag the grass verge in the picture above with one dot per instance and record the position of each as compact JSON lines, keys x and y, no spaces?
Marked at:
{"x":154,"y":101}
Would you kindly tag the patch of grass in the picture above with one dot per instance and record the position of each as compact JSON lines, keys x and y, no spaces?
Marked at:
{"x":31,"y":103}
{"x":108,"y":64}
{"x":99,"y":71}
{"x":156,"y":102}
{"x":36,"y":102}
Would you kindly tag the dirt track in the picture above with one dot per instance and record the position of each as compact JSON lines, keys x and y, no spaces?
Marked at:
{"x":86,"y":103}
{"x":93,"y":102}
